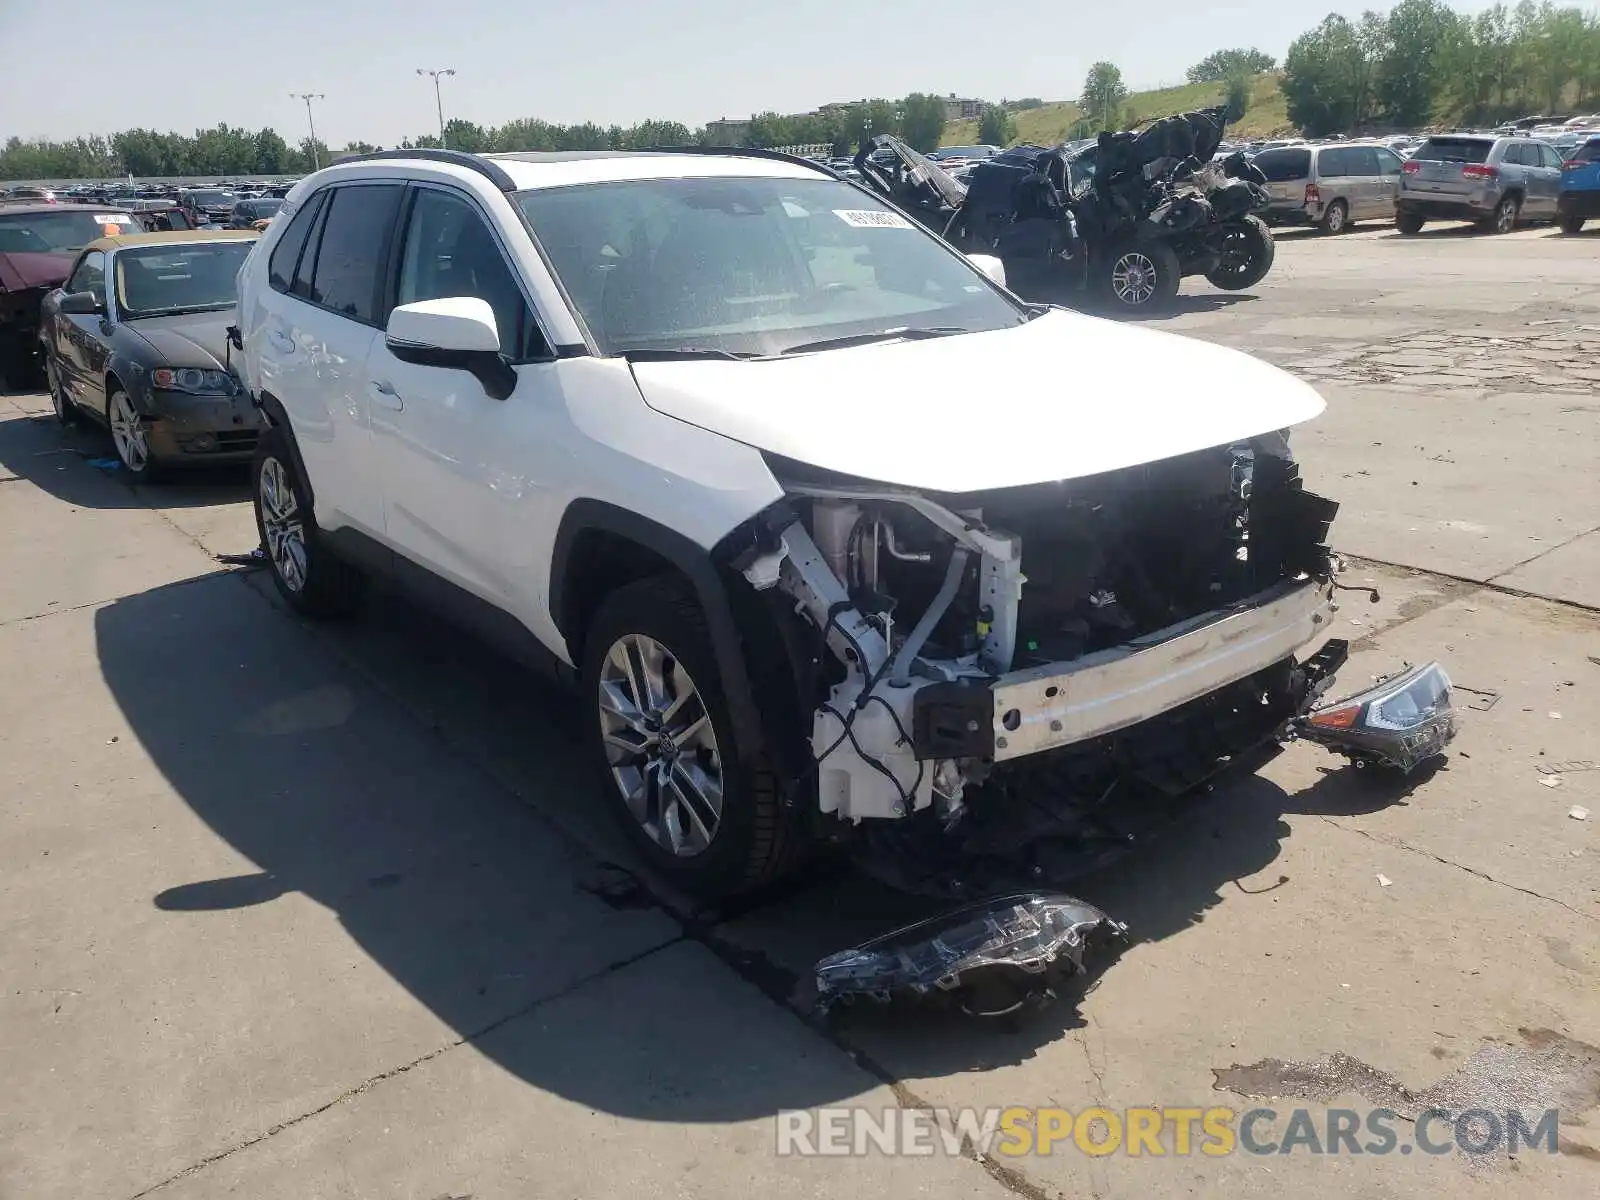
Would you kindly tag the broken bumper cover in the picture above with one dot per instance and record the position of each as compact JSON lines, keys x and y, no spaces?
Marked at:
{"x":996,"y":954}
{"x":1059,"y":704}
{"x":1400,"y":722}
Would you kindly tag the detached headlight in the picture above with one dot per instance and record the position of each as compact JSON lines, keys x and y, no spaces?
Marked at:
{"x":1402,"y":721}
{"x":193,"y":379}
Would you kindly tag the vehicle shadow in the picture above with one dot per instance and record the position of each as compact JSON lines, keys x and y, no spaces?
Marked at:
{"x":37,"y":448}
{"x":443,"y":868}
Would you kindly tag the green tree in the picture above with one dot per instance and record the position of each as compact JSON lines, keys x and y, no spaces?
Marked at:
{"x":1221,"y":65}
{"x":1237,"y":96}
{"x":922,"y":121}
{"x":995,"y":126}
{"x":1417,"y":37}
{"x":1328,"y":73}
{"x":1103,"y":93}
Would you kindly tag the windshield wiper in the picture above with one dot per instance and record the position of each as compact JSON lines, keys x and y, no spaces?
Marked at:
{"x":883,"y":335}
{"x":677,"y":353}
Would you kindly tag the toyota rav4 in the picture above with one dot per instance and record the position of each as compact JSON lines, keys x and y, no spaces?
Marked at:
{"x":836,"y":537}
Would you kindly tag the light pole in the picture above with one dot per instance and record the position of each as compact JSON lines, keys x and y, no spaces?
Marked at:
{"x":308,"y":97}
{"x":437,"y":99}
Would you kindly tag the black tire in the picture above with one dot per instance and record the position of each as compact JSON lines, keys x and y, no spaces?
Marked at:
{"x":1138,"y":276}
{"x":1336,"y":219}
{"x":1505,"y":216}
{"x":1254,"y":249}
{"x":1409,"y":223}
{"x":1570,"y":223}
{"x":755,"y":840}
{"x":66,"y":411}
{"x":321,"y":584}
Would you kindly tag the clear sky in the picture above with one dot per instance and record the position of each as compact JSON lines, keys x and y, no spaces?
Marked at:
{"x":69,"y":68}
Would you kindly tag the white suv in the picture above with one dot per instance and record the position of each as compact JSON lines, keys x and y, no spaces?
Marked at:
{"x":837,"y":536}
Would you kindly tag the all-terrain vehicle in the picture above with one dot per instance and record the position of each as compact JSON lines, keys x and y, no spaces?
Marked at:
{"x":1125,"y":216}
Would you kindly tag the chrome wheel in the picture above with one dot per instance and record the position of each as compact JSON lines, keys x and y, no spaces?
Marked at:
{"x":128,"y":433}
{"x":1335,"y":219}
{"x":1505,"y":217}
{"x":280,"y":521}
{"x":660,"y":746}
{"x":1133,"y":278}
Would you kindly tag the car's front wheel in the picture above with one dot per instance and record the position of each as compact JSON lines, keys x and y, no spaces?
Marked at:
{"x":310,"y":577}
{"x":695,"y":804}
{"x":129,"y":436}
{"x":1248,"y":251}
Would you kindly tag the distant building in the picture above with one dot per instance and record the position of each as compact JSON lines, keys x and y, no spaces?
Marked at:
{"x":726,"y":132}
{"x":957,"y":108}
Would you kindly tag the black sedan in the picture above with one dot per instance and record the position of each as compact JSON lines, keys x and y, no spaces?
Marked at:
{"x":247,"y":212}
{"x":137,"y":340}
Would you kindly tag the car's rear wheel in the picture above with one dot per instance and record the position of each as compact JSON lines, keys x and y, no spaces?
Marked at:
{"x":310,"y":577}
{"x":66,"y":411}
{"x":677,"y":781}
{"x":129,"y":436}
{"x":1571,"y":224}
{"x":1409,"y":223}
{"x":1336,"y":219}
{"x":1505,"y":216}
{"x":1248,"y":250}
{"x":1140,"y":276}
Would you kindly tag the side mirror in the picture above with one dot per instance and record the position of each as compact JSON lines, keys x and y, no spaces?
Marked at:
{"x":458,"y":333}
{"x":990,"y":266}
{"x":81,"y":304}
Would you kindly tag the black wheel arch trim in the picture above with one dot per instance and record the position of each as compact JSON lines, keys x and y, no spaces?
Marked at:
{"x":708,"y":576}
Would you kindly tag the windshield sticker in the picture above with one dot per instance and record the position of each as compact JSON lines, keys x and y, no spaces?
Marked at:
{"x":871,"y":218}
{"x":112,"y":219}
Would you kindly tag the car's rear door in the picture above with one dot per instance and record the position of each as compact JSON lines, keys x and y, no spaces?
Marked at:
{"x":318,"y":330}
{"x":1549,"y":178}
{"x":1387,"y":186}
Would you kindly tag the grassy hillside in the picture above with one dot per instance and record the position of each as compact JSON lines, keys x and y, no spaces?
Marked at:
{"x":1049,"y":124}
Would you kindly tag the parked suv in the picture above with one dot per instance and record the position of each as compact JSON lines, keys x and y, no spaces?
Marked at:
{"x":1332,"y":187}
{"x":1495,"y":181}
{"x":699,"y":432}
{"x":1580,"y":187}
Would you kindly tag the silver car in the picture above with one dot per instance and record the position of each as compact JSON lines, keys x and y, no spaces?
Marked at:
{"x":1494,"y":181}
{"x":1331,"y":187}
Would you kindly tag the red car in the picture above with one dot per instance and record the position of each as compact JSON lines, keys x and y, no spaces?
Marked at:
{"x":38,"y":242}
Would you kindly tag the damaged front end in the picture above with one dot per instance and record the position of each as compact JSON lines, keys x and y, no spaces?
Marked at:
{"x":998,"y":682}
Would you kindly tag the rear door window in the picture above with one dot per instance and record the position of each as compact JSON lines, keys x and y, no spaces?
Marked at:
{"x":1389,"y":163}
{"x":352,"y":249}
{"x":1588,"y":152}
{"x":1456,"y":150}
{"x":1281,"y":166}
{"x":1551,"y":158}
{"x":1334,"y":164}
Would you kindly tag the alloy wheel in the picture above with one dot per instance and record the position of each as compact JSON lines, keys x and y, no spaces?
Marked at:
{"x":1505,"y":217}
{"x":660,"y":745}
{"x":127,"y":432}
{"x":1335,"y":219}
{"x":280,"y":520}
{"x":1133,"y":278}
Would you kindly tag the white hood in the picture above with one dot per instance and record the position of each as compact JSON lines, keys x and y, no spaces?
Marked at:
{"x":1060,"y":397}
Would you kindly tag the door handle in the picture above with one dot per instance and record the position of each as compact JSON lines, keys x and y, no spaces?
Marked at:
{"x":387,"y":396}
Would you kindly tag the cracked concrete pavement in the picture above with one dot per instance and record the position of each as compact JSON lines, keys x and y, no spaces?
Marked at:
{"x":330,"y":911}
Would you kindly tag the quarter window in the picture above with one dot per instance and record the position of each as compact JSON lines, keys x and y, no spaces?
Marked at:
{"x":286,"y":254}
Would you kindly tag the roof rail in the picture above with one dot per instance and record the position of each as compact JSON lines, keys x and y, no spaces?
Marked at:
{"x":747,"y":152}
{"x":491,"y":171}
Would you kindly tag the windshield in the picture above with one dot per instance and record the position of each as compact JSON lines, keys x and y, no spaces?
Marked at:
{"x":213,"y":199}
{"x":1456,"y":150}
{"x":191,"y":277}
{"x":59,"y":232}
{"x":751,"y":265}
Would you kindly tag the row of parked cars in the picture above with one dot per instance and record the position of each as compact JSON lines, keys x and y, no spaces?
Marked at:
{"x":1494,"y":180}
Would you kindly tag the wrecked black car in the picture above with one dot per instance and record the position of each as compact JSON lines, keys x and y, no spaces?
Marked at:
{"x":1125,"y":216}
